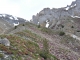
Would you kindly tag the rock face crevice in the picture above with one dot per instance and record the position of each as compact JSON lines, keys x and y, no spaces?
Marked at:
{"x":57,"y":15}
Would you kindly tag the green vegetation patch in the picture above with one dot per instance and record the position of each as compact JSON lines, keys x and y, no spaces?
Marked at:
{"x":29,"y":47}
{"x":61,"y":33}
{"x":1,"y":55}
{"x":28,"y":34}
{"x":19,"y":46}
{"x":47,"y":30}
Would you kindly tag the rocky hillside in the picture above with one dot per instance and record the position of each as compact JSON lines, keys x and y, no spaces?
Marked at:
{"x":8,"y":21}
{"x":23,"y":43}
{"x":29,"y":41}
{"x":65,"y":18}
{"x":53,"y":34}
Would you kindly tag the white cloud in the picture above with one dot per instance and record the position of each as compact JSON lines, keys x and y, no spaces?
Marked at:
{"x":27,"y":8}
{"x":9,"y":8}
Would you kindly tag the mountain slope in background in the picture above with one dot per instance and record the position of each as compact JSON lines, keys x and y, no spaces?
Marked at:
{"x":72,"y":10}
{"x":65,"y":18}
{"x":8,"y":21}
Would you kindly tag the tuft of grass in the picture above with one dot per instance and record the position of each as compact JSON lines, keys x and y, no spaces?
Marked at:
{"x":46,"y":30}
{"x":44,"y":53}
{"x":72,"y":26}
{"x":61,"y":33}
{"x":28,"y":34}
{"x":23,"y":25}
{"x":15,"y":27}
{"x":39,"y":26}
{"x":1,"y":55}
{"x":78,"y":30}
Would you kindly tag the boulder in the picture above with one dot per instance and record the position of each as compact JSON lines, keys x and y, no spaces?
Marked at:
{"x":5,"y":42}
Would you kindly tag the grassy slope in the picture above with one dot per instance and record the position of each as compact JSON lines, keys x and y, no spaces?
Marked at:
{"x":38,"y":43}
{"x":27,"y":44}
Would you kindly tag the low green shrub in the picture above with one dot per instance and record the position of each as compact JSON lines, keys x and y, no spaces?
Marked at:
{"x":15,"y":27}
{"x":78,"y":30}
{"x":1,"y":55}
{"x":62,"y":26}
{"x":72,"y":26}
{"x":43,"y":55}
{"x":39,"y":26}
{"x":61,"y":33}
{"x":45,"y":51}
{"x":23,"y":25}
{"x":47,"y":30}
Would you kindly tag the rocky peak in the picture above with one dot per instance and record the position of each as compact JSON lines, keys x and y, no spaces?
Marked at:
{"x":78,"y":3}
{"x":55,"y":15}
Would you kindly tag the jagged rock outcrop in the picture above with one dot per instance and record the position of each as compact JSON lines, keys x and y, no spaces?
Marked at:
{"x":57,"y":16}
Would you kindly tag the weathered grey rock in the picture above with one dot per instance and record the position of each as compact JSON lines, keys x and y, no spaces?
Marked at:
{"x":57,"y":14}
{"x":5,"y":42}
{"x":75,"y":8}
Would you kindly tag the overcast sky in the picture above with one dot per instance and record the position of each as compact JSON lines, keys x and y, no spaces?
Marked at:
{"x":27,"y":8}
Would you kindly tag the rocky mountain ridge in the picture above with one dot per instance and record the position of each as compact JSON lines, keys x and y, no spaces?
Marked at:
{"x":55,"y":15}
{"x":8,"y":21}
{"x":66,"y":19}
{"x":12,"y":19}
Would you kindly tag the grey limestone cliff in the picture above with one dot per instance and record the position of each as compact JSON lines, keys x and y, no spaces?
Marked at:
{"x":57,"y":15}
